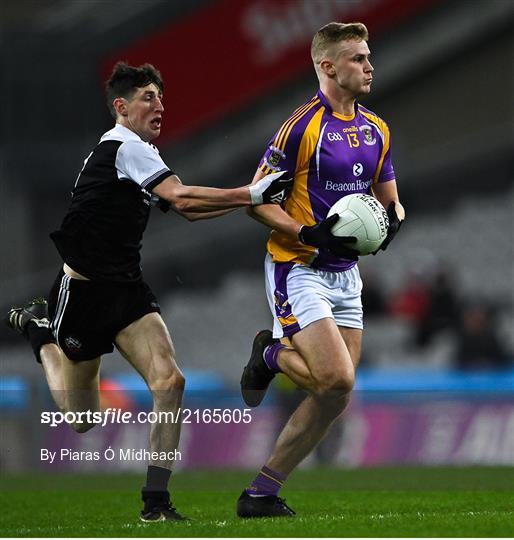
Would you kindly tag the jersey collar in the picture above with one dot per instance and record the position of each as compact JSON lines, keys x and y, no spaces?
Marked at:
{"x":119,"y":132}
{"x":126,"y":132}
{"x":326,"y":104}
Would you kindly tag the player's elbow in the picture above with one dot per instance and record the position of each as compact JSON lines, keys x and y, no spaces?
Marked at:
{"x":183,"y":204}
{"x":179,"y":197}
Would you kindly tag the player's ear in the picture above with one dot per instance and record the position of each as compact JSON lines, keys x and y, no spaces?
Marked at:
{"x":120,"y":106}
{"x":327,"y":67}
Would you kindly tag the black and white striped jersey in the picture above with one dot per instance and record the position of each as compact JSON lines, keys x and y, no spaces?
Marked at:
{"x":100,"y":236}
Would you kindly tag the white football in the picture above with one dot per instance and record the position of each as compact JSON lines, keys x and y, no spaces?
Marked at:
{"x":361,"y":216}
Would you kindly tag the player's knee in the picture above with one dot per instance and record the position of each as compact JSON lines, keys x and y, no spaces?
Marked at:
{"x":171,"y":381}
{"x":336,"y":386}
{"x":178,"y":381}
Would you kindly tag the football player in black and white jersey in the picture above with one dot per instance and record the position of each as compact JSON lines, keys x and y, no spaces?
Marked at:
{"x":99,"y":298}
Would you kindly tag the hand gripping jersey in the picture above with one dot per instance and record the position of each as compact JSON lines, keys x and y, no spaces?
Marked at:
{"x":330,"y":156}
{"x":100,"y":236}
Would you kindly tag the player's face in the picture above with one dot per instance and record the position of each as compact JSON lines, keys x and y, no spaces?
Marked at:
{"x":353,"y":70}
{"x":144,"y":112}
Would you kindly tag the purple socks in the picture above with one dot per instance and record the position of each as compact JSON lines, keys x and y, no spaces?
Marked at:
{"x":270,"y":356}
{"x":266,"y":483}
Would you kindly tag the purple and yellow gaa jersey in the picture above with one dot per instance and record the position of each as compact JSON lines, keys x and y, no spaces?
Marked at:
{"x":330,"y":156}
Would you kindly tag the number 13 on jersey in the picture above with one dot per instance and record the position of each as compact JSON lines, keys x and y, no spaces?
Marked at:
{"x":353,"y":140}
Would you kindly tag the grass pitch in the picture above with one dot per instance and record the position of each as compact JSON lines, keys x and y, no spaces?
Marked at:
{"x":391,"y":502}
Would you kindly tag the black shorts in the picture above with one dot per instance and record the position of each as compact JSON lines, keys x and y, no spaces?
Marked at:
{"x":86,"y":316}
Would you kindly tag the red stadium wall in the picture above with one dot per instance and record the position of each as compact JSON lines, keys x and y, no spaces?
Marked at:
{"x":231,"y":52}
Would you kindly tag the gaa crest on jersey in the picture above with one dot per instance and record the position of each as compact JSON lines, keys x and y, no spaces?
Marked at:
{"x":368,"y":135}
{"x":274,"y":157}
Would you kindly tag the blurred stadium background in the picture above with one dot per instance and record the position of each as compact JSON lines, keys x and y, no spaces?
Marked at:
{"x":436,"y":385}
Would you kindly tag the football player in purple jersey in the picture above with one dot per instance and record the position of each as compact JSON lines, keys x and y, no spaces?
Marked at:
{"x":333,"y":146}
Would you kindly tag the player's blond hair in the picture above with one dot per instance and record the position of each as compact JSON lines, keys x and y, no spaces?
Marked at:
{"x":333,"y":33}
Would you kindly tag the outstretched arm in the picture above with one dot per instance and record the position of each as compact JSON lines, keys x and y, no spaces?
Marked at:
{"x":271,"y":188}
{"x":195,"y":216}
{"x":200,"y":199}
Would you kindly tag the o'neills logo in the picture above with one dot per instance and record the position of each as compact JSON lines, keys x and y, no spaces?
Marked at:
{"x":352,"y":185}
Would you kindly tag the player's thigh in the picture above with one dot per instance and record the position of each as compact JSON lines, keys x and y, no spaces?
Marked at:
{"x":297,"y":296}
{"x":147,"y":345}
{"x":326,"y":354}
{"x":353,"y":340}
{"x":81,"y":383}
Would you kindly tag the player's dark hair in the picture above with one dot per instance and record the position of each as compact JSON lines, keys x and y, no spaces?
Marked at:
{"x":334,"y":32}
{"x":126,"y":79}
